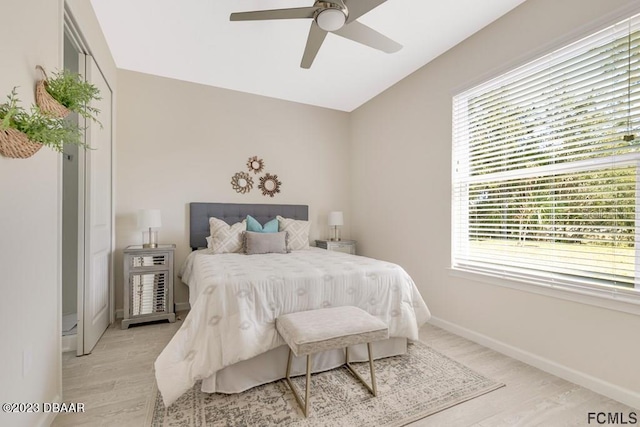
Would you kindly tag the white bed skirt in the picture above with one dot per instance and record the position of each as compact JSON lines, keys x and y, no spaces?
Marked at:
{"x":271,"y":366}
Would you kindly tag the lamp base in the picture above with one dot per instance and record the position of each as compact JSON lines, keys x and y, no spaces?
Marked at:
{"x":152,"y":239}
{"x":336,"y":234}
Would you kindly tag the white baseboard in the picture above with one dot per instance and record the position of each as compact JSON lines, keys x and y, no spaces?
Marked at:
{"x":623,"y":395}
{"x":47,"y":417}
{"x":69,"y":343}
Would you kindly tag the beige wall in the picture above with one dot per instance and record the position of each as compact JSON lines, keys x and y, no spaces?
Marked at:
{"x":401,"y":165}
{"x":181,"y":142}
{"x":30,"y":218}
{"x":29,"y":223}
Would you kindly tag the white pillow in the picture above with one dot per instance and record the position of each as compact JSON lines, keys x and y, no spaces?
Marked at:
{"x":298,"y":232}
{"x":226,"y":238}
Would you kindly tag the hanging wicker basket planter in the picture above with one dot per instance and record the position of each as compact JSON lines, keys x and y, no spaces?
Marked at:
{"x":17,"y":145}
{"x":45,"y":101}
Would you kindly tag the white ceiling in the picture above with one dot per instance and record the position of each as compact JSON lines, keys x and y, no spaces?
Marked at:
{"x":193,"y":40}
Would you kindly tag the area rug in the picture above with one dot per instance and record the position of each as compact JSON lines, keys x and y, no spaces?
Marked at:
{"x":410,"y":387}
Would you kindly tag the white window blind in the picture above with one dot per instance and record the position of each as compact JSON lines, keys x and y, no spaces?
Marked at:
{"x":546,"y":184}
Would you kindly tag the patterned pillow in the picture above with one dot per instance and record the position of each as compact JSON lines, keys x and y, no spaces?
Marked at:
{"x":298,"y":232}
{"x":226,"y":238}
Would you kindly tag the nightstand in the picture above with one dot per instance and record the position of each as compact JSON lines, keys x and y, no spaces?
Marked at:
{"x":148,"y":284}
{"x":346,"y":246}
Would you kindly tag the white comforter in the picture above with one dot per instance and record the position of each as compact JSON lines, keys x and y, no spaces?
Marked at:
{"x":235,"y":300}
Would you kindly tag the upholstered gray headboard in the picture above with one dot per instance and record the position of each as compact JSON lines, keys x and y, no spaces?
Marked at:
{"x":199,"y":214}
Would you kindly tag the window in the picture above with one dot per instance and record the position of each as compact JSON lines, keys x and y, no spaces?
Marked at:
{"x":546,"y":178}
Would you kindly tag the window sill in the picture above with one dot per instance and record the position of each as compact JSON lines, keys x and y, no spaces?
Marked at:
{"x":608,"y":300}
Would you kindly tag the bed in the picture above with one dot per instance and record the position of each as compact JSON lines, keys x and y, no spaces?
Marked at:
{"x":229,"y":340}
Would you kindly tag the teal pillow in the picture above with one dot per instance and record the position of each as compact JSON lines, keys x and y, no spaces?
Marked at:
{"x":255,"y":226}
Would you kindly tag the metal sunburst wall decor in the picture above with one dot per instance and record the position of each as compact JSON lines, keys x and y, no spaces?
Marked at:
{"x":269,"y":184}
{"x":242,"y":182}
{"x":255,"y":164}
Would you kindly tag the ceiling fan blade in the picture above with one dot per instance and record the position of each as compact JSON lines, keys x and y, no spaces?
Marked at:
{"x":367,"y":36}
{"x":357,"y":8}
{"x":314,"y":41}
{"x":258,"y":15}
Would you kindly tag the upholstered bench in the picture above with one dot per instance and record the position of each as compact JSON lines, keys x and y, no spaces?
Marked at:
{"x":309,"y":332}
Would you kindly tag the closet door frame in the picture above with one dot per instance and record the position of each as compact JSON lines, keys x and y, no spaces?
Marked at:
{"x":84,"y":199}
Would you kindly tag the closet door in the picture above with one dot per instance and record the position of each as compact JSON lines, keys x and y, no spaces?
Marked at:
{"x":97,"y":216}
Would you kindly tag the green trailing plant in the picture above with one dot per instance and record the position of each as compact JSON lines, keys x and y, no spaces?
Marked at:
{"x":72,"y":91}
{"x":39,"y":127}
{"x":9,"y":110}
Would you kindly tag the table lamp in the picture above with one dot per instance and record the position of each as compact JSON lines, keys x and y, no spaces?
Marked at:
{"x":336,"y":219}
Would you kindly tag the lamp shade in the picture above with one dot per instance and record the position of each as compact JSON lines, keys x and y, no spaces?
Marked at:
{"x":336,"y":218}
{"x":149,"y":218}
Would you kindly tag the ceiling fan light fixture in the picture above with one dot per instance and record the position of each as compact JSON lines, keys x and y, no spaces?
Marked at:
{"x":331,"y":19}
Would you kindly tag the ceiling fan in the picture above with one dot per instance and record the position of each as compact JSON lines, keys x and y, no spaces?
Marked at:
{"x":330,"y":16}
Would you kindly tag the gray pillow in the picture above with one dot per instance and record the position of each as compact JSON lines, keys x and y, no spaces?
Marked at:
{"x":265,"y":243}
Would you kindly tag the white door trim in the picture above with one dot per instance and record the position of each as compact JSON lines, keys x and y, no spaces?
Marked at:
{"x":72,"y":30}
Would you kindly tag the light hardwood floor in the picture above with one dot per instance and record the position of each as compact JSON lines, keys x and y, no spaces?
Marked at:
{"x":117,"y":385}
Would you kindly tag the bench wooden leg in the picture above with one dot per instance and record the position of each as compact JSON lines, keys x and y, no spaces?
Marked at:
{"x":373,"y":389}
{"x":304,"y":405}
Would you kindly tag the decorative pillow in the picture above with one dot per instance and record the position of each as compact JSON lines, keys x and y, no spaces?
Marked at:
{"x":265,"y":243}
{"x":226,"y":238}
{"x":298,"y":232}
{"x":269,"y":227}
